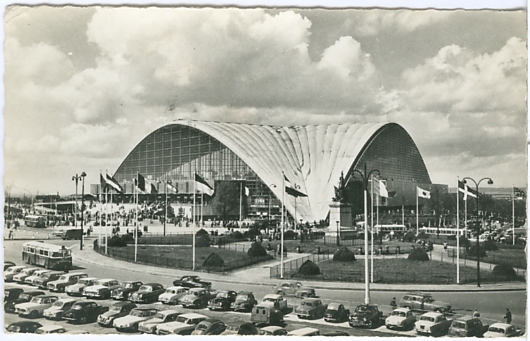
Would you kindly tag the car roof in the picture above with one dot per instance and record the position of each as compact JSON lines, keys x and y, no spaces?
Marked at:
{"x":272,"y":296}
{"x":123,"y":303}
{"x":145,"y":308}
{"x":169,"y":311}
{"x":50,"y":327}
{"x":35,"y":292}
{"x":464,"y":318}
{"x":500,"y":324}
{"x":432,"y":314}
{"x":176,"y":287}
{"x":21,"y":323}
{"x":107,"y":279}
{"x":334,"y":305}
{"x":76,"y":273}
{"x":303,"y":331}
{"x":151,"y":284}
{"x":311,"y":299}
{"x":47,"y":296}
{"x":271,"y":328}
{"x":65,"y":300}
{"x":17,"y":267}
{"x":193,"y":315}
{"x":90,"y":279}
{"x":245,"y":293}
{"x":14,"y":289}
{"x":197,"y":289}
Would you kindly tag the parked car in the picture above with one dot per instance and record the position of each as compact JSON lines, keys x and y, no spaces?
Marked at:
{"x":265,"y":313}
{"x":25,"y":273}
{"x":8,"y":264}
{"x":44,"y":279}
{"x":29,"y":280}
{"x":102,"y":289}
{"x":11,"y":294}
{"x":192,"y":282}
{"x":467,"y":326}
{"x":12,"y":271}
{"x":118,"y":309}
{"x":84,"y":311}
{"x":59,"y":307}
{"x":293,"y":288}
{"x":433,"y":324}
{"x":272,"y":331}
{"x":23,"y":327}
{"x":209,"y":327}
{"x":9,"y":306}
{"x":400,"y":318}
{"x":183,"y":325}
{"x":196,"y":298}
{"x":423,"y":301}
{"x":123,"y":291}
{"x":366,"y":315}
{"x":163,"y":316}
{"x":336,"y":312}
{"x":244,"y":301}
{"x":335,"y":333}
{"x":131,"y":321}
{"x":172,"y":295}
{"x":278,"y":301}
{"x":307,"y":331}
{"x":223,"y":300}
{"x":50,"y":329}
{"x":77,"y":289}
{"x":311,"y":308}
{"x":148,"y":292}
{"x":502,"y":330}
{"x":65,"y":280}
{"x":245,"y":328}
{"x":36,"y":306}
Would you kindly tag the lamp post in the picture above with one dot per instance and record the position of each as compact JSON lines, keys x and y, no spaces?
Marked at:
{"x":82,"y":210}
{"x":296,"y":187}
{"x":365,"y":176}
{"x":269,"y":202}
{"x":490,"y":182}
{"x":75,"y":178}
{"x":338,"y":233}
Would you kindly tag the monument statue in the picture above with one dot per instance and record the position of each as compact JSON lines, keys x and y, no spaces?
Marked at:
{"x":340,"y":190}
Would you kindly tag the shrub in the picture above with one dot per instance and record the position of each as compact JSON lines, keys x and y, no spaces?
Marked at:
{"x":117,"y":241}
{"x":464,"y":242}
{"x":256,"y":250}
{"x":202,"y":241}
{"x":213,"y":261}
{"x":251,"y":234}
{"x":422,"y":235}
{"x":490,"y":245}
{"x":473,"y":252}
{"x":290,"y":235}
{"x":201,"y":232}
{"x":418,"y":254}
{"x":237,"y":235}
{"x":344,"y":255}
{"x":504,"y":270}
{"x":309,"y":268}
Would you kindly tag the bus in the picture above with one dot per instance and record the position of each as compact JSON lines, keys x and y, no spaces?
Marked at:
{"x":50,"y":256}
{"x":391,"y":228}
{"x":443,"y":231}
{"x":35,"y":221}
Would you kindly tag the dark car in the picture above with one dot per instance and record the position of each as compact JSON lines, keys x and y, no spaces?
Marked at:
{"x":42,"y":281}
{"x":244,"y":301}
{"x":9,"y":307}
{"x":196,"y":298}
{"x":223,"y":300}
{"x":23,"y":327}
{"x":118,"y":309}
{"x":311,"y":308}
{"x":336,"y":312}
{"x":8,"y":264}
{"x":210,"y":327}
{"x":83,"y":312}
{"x":122,"y":293}
{"x":467,"y":326}
{"x":11,"y":294}
{"x":192,"y":282}
{"x":335,"y":333}
{"x":366,"y":315}
{"x":246,"y":328}
{"x":148,"y":292}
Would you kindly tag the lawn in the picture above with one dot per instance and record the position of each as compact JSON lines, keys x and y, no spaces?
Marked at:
{"x":398,"y":270}
{"x":515,"y":257}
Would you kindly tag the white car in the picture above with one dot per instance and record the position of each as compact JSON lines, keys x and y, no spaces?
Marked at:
{"x":279,"y":300}
{"x":77,"y":289}
{"x":50,"y":329}
{"x":432,"y":323}
{"x":55,"y":312}
{"x":25,"y":273}
{"x":172,"y":295}
{"x":163,"y":316}
{"x":103,"y":289}
{"x":29,"y":280}
{"x":11,"y":272}
{"x":132,"y":321}
{"x":184,"y":325}
{"x":502,"y":330}
{"x":36,"y":306}
{"x":400,"y":318}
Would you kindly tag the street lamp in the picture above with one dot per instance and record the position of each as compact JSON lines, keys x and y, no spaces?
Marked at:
{"x":338,"y":233}
{"x":365,"y":176}
{"x":490,"y":182}
{"x":76,"y":178}
{"x":297,"y":187}
{"x":269,"y":202}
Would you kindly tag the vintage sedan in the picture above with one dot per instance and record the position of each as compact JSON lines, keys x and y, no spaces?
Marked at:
{"x":59,"y":307}
{"x":8,"y":264}
{"x":209,"y":327}
{"x":29,"y":280}
{"x":183,"y":325}
{"x":36,"y":306}
{"x":272,"y":331}
{"x":50,"y":329}
{"x":223,"y":300}
{"x":9,"y":306}
{"x":84,"y":311}
{"x":102,"y":289}
{"x":467,"y":326}
{"x":246,"y":328}
{"x":311,"y":308}
{"x":400,"y":318}
{"x":43,"y":280}
{"x":366,"y":315}
{"x":77,"y":289}
{"x":123,"y":291}
{"x":172,"y":295}
{"x":23,"y":327}
{"x":244,"y":301}
{"x":278,"y":301}
{"x":164,"y":316}
{"x":117,"y":310}
{"x":336,"y":312}
{"x":11,"y":272}
{"x":131,"y":321}
{"x":66,"y":280}
{"x":25,"y":273}
{"x":502,"y":330}
{"x":433,"y":324}
{"x":192,"y":282}
{"x":293,"y":288}
{"x":11,"y":294}
{"x":196,"y":298}
{"x":148,"y":292}
{"x":424,"y":302}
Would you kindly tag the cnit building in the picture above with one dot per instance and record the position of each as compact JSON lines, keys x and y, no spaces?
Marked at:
{"x":251,"y":158}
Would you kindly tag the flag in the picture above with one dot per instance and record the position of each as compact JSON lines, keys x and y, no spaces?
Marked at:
{"x":380,"y":188}
{"x":102,"y":182}
{"x":289,"y":189}
{"x":247,"y":191}
{"x":518,"y":193}
{"x":171,"y":188}
{"x":153,"y":188}
{"x":203,"y":186}
{"x":423,"y":193}
{"x":140,"y":182}
{"x":462,"y":187}
{"x":114,"y":184}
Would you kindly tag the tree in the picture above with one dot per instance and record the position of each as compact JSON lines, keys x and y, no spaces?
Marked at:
{"x":226,"y":199}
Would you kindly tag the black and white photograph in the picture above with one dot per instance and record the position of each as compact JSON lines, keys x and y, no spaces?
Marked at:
{"x":265,"y":170}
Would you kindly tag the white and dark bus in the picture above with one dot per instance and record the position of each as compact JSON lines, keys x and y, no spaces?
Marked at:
{"x":50,"y":256}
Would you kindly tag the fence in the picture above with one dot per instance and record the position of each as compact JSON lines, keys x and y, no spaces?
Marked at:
{"x":291,"y":267}
{"x":145,"y":257}
{"x":486,"y":263}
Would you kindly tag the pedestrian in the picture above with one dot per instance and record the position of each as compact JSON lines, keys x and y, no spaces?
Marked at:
{"x":445,"y":246}
{"x":10,"y":234}
{"x":508,"y":316}
{"x":476,"y":314}
{"x":393,"y":303}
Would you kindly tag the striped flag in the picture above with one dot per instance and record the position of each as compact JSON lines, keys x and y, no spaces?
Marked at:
{"x":171,"y":189}
{"x":203,"y":186}
{"x":423,"y":193}
{"x":114,"y":184}
{"x":289,"y":189}
{"x":462,"y":187}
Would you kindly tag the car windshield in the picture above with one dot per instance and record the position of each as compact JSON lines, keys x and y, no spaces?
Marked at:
{"x":159,"y":316}
{"x":116,"y":308}
{"x":25,"y":296}
{"x":458,"y":324}
{"x":63,"y":278}
{"x":85,"y":281}
{"x":202,"y":327}
{"x":37,"y":300}
{"x":77,"y":307}
{"x":241,"y":298}
{"x":145,"y":288}
{"x":139,"y":313}
{"x":232,"y":328}
{"x":183,"y":319}
{"x":129,"y":286}
{"x":27,"y":271}
{"x":307,"y":303}
{"x":269,"y":299}
{"x":362,"y":309}
{"x":10,"y":270}
{"x":13,"y":328}
{"x":222,"y":294}
{"x":427,"y":318}
{"x":171,"y":291}
{"x":58,"y":304}
{"x":496,"y":330}
{"x":398,"y":313}
{"x":428,"y":299}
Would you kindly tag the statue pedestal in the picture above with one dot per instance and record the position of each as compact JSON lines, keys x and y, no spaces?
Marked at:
{"x":341,"y":213}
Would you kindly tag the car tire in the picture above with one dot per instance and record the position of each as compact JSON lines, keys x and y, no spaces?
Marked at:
{"x":34,"y":314}
{"x":135,"y":328}
{"x":370,"y":324}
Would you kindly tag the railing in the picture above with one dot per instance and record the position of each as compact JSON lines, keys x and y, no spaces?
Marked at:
{"x":291,"y":267}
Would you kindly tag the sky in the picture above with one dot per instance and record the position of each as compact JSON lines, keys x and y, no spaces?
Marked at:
{"x":84,"y":85}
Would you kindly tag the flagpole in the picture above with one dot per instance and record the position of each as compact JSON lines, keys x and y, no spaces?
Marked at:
{"x":240,"y":201}
{"x":194,"y":195}
{"x":136,"y":190}
{"x":372,"y":230}
{"x":417,"y":214}
{"x":403,"y":204}
{"x":513,"y":214}
{"x":202,"y":209}
{"x":165,"y":213}
{"x":465,"y":215}
{"x":100,"y":210}
{"x":106,"y":201}
{"x":281,"y":247}
{"x":457,"y":230}
{"x":111,"y":215}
